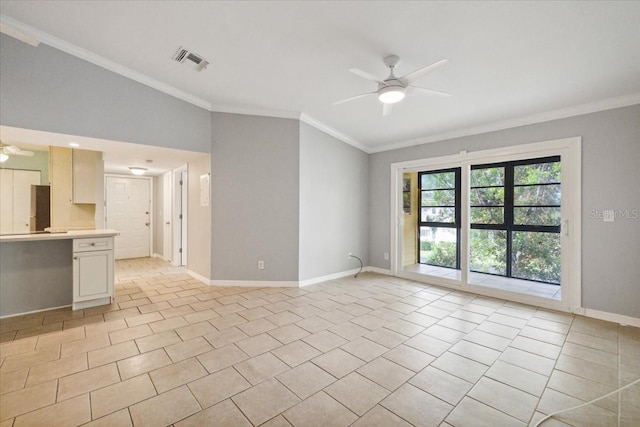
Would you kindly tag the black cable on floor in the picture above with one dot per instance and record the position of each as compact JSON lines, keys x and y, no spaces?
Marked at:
{"x":360,"y":271}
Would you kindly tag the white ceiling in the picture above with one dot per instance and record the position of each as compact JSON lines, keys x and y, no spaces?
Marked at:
{"x":118,"y":156}
{"x":510,"y":61}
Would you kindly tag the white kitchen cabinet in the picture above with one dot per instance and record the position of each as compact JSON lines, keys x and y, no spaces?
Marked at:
{"x":84,"y":176}
{"x":93,"y":272}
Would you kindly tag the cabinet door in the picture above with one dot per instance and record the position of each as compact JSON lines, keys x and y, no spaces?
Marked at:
{"x":84,"y":176}
{"x":92,"y":275}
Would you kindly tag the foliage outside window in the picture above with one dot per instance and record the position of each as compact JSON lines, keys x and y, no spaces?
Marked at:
{"x":515,"y":219}
{"x":440,"y":218}
{"x":514,"y":213}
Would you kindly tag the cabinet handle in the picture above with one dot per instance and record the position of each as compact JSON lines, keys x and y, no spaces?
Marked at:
{"x":93,"y":244}
{"x":75,"y":257}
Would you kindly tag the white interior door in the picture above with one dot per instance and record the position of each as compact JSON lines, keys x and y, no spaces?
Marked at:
{"x":15,"y":199}
{"x":167,"y":183}
{"x":183,"y":219}
{"x":128,"y":211}
{"x":179,"y":217}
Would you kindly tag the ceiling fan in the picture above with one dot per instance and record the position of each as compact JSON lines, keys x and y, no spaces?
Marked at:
{"x":11,"y":150}
{"x":393,"y":89}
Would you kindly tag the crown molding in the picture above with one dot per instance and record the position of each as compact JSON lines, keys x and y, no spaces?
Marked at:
{"x":98,"y":60}
{"x":562,"y":113}
{"x":33,"y":36}
{"x":265,"y":112}
{"x":334,"y":133}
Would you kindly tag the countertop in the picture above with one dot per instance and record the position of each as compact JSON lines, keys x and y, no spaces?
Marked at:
{"x":71,"y":234}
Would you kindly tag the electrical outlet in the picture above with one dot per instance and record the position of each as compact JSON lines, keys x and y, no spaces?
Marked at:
{"x":261,"y":265}
{"x":349,"y":255}
{"x":386,"y":256}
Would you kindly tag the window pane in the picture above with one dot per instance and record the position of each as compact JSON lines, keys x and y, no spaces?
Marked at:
{"x":487,"y":215}
{"x":438,"y":215}
{"x":536,"y":216}
{"x":438,"y":246}
{"x":538,"y":173}
{"x":439,"y":198}
{"x":488,"y":251}
{"x":487,"y":177}
{"x":536,"y":256}
{"x":537,"y":195}
{"x":432,"y":181}
{"x":487,"y":196}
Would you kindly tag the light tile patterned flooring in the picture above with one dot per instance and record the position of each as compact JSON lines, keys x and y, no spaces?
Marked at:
{"x":510,"y":284}
{"x":371,"y":351}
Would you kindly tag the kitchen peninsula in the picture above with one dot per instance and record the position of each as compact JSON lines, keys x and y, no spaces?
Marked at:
{"x":42,"y":271}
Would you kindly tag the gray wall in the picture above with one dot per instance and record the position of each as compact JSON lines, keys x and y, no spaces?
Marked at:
{"x":255,"y":196}
{"x":46,"y":89}
{"x":334,"y":216}
{"x":36,"y":275}
{"x":610,"y":180}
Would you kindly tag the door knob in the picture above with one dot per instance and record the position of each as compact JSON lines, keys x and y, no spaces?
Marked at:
{"x":146,"y":223}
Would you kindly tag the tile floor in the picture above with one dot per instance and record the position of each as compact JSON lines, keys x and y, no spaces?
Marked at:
{"x":510,"y":284}
{"x":371,"y":351}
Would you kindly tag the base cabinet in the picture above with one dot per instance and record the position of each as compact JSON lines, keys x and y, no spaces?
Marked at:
{"x":93,"y":272}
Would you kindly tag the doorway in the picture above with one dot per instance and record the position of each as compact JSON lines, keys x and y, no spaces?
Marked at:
{"x":503,"y":223}
{"x":128,"y":209}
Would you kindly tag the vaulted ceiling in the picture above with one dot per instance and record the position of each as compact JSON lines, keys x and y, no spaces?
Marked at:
{"x":510,"y":62}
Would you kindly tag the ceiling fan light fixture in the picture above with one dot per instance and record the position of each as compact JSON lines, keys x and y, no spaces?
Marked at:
{"x":137,"y":170}
{"x":391,"y":94}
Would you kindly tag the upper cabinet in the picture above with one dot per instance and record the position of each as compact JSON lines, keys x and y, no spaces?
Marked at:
{"x":84,"y":164}
{"x":74,"y":187}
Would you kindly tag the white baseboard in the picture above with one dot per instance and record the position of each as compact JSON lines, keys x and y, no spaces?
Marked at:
{"x":199,"y":277}
{"x":377,"y":270}
{"x":254,"y":283}
{"x":284,"y":284}
{"x":610,"y":317}
{"x":328,"y":277}
{"x":159,"y":256}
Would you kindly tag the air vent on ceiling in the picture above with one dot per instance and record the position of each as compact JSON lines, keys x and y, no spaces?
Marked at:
{"x":184,"y":56}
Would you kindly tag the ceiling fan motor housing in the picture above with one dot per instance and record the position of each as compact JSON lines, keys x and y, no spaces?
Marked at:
{"x":391,"y":92}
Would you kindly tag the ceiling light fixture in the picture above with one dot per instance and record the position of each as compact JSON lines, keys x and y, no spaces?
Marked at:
{"x":391,"y":94}
{"x":74,"y":144}
{"x":3,"y":157}
{"x":137,"y":171}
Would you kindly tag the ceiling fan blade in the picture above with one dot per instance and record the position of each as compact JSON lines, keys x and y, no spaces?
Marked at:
{"x":366,"y":75}
{"x":418,"y":74}
{"x":16,"y":151}
{"x":354,"y":97}
{"x":430,"y":91}
{"x":386,"y":109}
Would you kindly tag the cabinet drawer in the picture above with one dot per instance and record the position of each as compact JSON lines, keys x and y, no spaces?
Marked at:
{"x":92,"y":244}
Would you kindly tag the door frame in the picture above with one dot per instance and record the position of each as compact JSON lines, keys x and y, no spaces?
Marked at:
{"x":570,"y":151}
{"x":149,"y":179}
{"x":179,"y":225}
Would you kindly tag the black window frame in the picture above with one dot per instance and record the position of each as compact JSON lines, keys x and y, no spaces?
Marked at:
{"x":508,"y":224}
{"x":457,"y":224}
